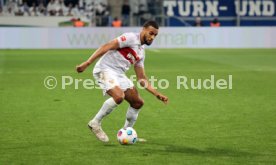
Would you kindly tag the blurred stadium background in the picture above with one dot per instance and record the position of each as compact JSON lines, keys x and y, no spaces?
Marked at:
{"x":197,"y":38}
{"x":134,"y":13}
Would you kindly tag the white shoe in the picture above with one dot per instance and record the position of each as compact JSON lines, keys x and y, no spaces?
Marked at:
{"x":96,"y":128}
{"x":141,"y":140}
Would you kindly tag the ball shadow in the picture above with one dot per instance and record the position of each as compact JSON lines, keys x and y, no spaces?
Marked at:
{"x":210,"y":152}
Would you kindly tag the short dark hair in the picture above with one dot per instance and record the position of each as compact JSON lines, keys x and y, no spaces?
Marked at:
{"x":151,"y":23}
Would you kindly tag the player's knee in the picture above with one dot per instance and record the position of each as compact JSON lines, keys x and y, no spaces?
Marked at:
{"x":138,"y":104}
{"x":119,"y":98}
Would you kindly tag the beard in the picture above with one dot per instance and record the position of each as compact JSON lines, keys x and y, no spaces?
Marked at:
{"x":146,"y":41}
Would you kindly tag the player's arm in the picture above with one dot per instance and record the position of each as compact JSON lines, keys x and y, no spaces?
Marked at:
{"x":112,"y":45}
{"x":143,"y":80}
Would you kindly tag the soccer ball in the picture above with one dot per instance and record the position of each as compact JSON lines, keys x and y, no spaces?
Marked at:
{"x":127,"y":136}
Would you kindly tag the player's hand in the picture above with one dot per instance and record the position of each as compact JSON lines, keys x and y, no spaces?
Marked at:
{"x":80,"y":68}
{"x":163,"y":98}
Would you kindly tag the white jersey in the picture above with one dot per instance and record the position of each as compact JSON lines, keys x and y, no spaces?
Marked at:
{"x":130,"y":52}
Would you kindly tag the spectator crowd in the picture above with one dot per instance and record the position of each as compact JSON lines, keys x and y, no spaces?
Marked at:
{"x":90,"y":9}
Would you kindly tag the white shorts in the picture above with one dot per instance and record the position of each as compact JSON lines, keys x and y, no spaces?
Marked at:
{"x":108,"y":79}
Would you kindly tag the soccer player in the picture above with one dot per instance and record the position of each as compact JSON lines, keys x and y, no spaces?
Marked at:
{"x":116,"y":57}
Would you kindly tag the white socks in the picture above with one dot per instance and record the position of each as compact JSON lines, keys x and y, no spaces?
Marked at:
{"x":106,"y":109}
{"x":131,"y":117}
{"x":109,"y":105}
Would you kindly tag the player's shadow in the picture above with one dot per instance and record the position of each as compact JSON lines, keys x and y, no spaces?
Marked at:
{"x":213,"y":152}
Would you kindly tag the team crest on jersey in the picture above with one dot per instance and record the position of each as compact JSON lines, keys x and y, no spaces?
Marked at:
{"x":123,"y":38}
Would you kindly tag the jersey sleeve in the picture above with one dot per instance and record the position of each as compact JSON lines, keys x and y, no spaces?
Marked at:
{"x":127,"y":40}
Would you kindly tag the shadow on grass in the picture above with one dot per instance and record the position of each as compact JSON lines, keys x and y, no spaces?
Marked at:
{"x":213,"y":152}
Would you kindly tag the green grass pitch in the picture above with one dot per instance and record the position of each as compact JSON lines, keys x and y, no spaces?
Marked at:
{"x":238,"y":126}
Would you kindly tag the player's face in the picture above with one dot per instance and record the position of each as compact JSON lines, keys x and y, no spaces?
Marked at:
{"x":150,"y":34}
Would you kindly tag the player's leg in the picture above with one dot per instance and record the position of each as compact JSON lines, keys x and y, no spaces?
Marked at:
{"x":117,"y":96}
{"x":135,"y":104}
{"x":109,"y":84}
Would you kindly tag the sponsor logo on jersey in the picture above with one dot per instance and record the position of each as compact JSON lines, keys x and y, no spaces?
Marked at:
{"x":123,"y":38}
{"x":129,"y":54}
